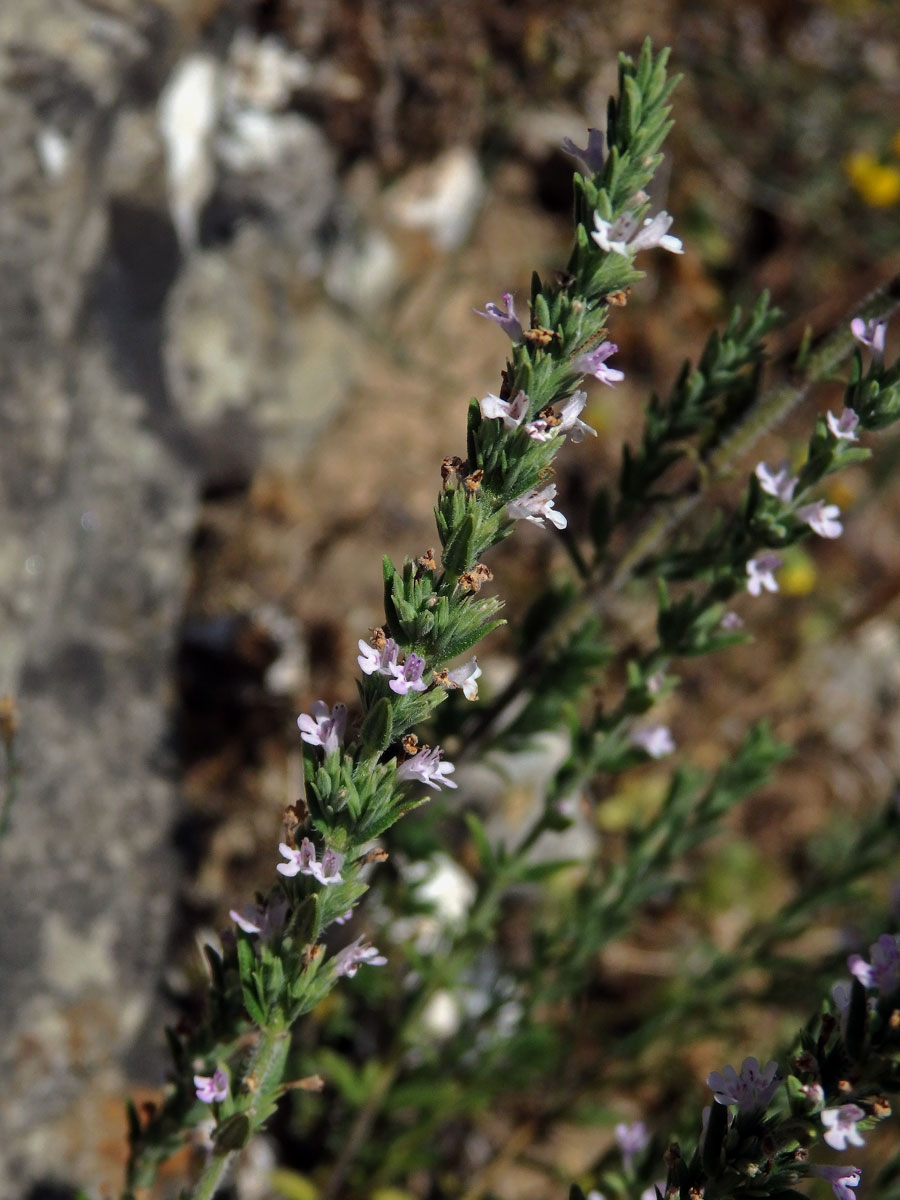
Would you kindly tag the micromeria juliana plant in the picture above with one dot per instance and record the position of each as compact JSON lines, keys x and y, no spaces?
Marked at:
{"x":363,"y":775}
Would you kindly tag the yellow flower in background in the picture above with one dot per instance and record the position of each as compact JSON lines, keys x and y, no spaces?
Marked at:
{"x":798,"y":575}
{"x":877,"y":184}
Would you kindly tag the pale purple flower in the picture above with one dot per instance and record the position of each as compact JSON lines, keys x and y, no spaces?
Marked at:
{"x":841,"y":1125}
{"x":591,"y":156}
{"x":844,"y":426}
{"x":426,"y":767}
{"x":408,"y":676}
{"x":650,"y":1193}
{"x":822,"y":519}
{"x":655,"y":740}
{"x":535,"y":506}
{"x":569,"y":417}
{"x":780,"y":483}
{"x":212,"y":1089}
{"x":352,"y":957}
{"x":345,"y":918}
{"x":815,"y":1096}
{"x":760,"y":574}
{"x":632,"y":1139}
{"x":302,"y":861}
{"x":842,"y":1179}
{"x":731,"y":620}
{"x":466,"y":677}
{"x":372,"y":660}
{"x":625,"y":235}
{"x":511,"y":412}
{"x":594,"y":363}
{"x":266,"y":921}
{"x":883,"y":973}
{"x":870,"y":334}
{"x":752,"y":1089}
{"x":505,"y":318}
{"x":325,"y":727}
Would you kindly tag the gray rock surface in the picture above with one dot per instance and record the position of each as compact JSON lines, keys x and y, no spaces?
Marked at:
{"x":132,"y":376}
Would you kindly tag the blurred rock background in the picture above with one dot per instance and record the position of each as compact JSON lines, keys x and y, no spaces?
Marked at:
{"x":241,"y":246}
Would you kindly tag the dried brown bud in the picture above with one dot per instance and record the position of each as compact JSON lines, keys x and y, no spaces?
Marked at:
{"x":410,"y":744}
{"x":311,"y":953}
{"x":292,"y":818}
{"x":473,"y":482}
{"x":539,"y":338}
{"x":471,"y":581}
{"x":881,"y":1107}
{"x":450,"y":469}
{"x":844,"y":1085}
{"x":379,"y":638}
{"x":426,"y":560}
{"x":894,"y":1019}
{"x":311,"y":1083}
{"x":375,"y":855}
{"x":250,"y":1084}
{"x":618,"y":299}
{"x":696,"y":1193}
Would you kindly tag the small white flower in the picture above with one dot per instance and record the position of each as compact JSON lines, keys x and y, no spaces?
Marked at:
{"x":844,"y":426}
{"x":841,"y":1125}
{"x":760,"y":574}
{"x":822,"y":519}
{"x":655,"y":740}
{"x":535,"y":506}
{"x":780,"y":483}
{"x":624,"y":235}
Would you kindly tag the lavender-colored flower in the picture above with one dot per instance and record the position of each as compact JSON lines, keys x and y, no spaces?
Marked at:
{"x":408,"y":676}
{"x":654,"y":1190}
{"x":844,"y":426}
{"x":815,"y":1096}
{"x":535,"y":506}
{"x":731,"y":620}
{"x":426,"y":767}
{"x":466,"y":677}
{"x":870,"y":334}
{"x":822,"y":519}
{"x":841,"y":1125}
{"x":842,"y":1179}
{"x":632,"y":1139}
{"x":506,"y":319}
{"x":760,"y":574}
{"x":352,"y":957}
{"x":780,"y":483}
{"x":325,"y":727}
{"x":883,"y":973}
{"x":655,"y":740}
{"x":378,"y":660}
{"x":625,"y":235}
{"x":594,"y":363}
{"x":752,"y":1089}
{"x":570,"y":420}
{"x":302,"y":861}
{"x":511,"y":412}
{"x":342,"y":920}
{"x":212,"y":1089}
{"x":256,"y":919}
{"x":591,"y":156}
